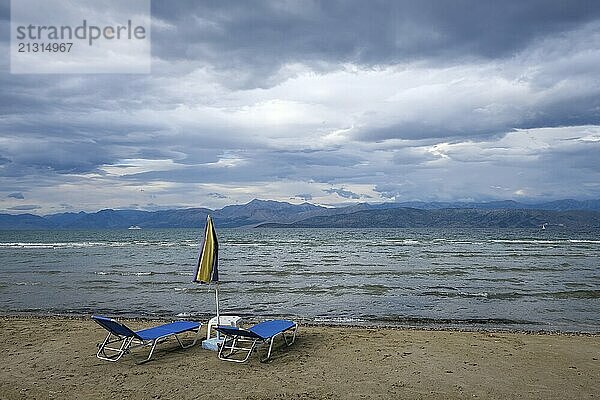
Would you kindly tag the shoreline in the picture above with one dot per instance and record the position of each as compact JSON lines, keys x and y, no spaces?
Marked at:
{"x":363,"y":324}
{"x":54,"y":357}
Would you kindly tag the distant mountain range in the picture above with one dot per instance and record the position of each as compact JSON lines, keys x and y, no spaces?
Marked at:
{"x":570,"y":214}
{"x":452,"y":218}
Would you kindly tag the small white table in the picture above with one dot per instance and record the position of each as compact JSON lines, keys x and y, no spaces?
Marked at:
{"x":214,"y":342}
{"x":229,"y":320}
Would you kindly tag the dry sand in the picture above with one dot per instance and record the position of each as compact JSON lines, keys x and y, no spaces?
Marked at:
{"x":55,"y":358}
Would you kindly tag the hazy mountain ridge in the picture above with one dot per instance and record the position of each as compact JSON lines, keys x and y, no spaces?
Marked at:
{"x":569,"y":213}
{"x":453,"y":218}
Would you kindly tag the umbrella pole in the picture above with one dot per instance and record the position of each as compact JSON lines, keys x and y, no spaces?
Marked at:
{"x":217,"y":302}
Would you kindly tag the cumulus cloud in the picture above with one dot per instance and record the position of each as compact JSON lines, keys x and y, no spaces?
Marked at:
{"x":304,"y":196}
{"x":25,"y":208}
{"x":217,"y":195}
{"x":346,"y":194}
{"x":320,"y":101}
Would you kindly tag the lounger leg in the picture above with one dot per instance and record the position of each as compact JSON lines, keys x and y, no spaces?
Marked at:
{"x":125,"y":343}
{"x":195,"y":338}
{"x":162,"y":339}
{"x":293,"y":336}
{"x":288,"y":343}
{"x":233,"y":343}
{"x":250,"y":351}
{"x":191,"y":344}
{"x":270,"y":348}
{"x":223,"y":347}
{"x":233,"y":349}
{"x":154,"y":342}
{"x":101,"y":354}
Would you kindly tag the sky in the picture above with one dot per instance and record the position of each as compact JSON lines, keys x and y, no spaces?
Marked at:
{"x":330,"y":102}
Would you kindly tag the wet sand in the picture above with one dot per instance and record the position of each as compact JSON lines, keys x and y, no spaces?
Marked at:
{"x":55,"y":358}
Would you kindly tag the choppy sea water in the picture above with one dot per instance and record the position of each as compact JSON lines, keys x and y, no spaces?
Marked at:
{"x":508,"y":279}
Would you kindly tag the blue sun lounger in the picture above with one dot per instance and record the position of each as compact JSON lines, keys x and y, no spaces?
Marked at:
{"x":128,"y":339}
{"x":238,"y":339}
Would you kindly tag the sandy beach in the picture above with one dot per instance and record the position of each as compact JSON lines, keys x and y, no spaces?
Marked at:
{"x":55,"y":358}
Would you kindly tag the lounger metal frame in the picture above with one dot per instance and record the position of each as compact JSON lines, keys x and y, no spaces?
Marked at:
{"x":234,"y":343}
{"x":131,"y":340}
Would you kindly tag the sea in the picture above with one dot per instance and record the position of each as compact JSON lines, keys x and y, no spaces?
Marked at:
{"x":488,"y":279}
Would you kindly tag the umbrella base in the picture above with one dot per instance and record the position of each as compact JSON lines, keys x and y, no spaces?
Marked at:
{"x":212,"y":344}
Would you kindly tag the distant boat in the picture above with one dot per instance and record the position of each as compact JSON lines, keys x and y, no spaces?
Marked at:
{"x":134,"y":228}
{"x":544,"y":226}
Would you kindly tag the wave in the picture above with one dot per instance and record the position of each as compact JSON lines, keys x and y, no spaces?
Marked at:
{"x":362,"y":273}
{"x":49,"y":272}
{"x":421,"y":321}
{"x":339,"y":320}
{"x":510,"y":280}
{"x":249,"y":244}
{"x":198,"y":288}
{"x":101,"y":281}
{"x":335,"y":290}
{"x":142,"y":273}
{"x":28,"y":245}
{"x":148,"y":273}
{"x":409,"y":242}
{"x":454,"y":321}
{"x":477,"y":294}
{"x":88,"y":244}
{"x":152,"y":283}
{"x":527,"y":241}
{"x":495,"y":268}
{"x":446,"y":272}
{"x":570,"y":294}
{"x":456,"y":241}
{"x":564,"y":294}
{"x":453,"y":293}
{"x":545,"y":241}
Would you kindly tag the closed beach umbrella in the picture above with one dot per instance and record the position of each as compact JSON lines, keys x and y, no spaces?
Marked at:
{"x":208,"y":260}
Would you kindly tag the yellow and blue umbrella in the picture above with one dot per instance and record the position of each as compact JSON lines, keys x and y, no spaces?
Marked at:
{"x":208,"y":260}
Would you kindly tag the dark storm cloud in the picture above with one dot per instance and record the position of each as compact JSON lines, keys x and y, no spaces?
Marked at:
{"x":571,"y":107}
{"x":267,"y":34}
{"x":318,"y":92}
{"x":260,"y":36}
{"x":48,"y":156}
